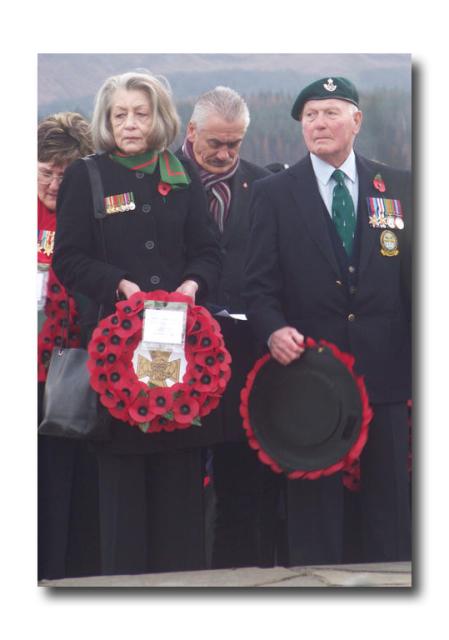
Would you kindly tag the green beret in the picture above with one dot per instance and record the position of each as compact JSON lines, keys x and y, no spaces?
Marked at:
{"x":337,"y":88}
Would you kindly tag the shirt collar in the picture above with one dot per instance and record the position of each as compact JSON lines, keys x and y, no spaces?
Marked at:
{"x":323,"y":170}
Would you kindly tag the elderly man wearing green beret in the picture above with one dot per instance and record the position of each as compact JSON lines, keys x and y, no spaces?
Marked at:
{"x":329,"y":258}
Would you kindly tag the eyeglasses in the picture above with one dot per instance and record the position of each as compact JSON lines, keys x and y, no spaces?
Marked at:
{"x":47,"y":177}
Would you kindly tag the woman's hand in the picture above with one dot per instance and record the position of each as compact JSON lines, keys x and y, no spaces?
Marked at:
{"x":188,"y":288}
{"x":286,"y":345}
{"x":127,"y":288}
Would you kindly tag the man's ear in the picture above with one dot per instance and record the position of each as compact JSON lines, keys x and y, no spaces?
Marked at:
{"x":191,"y":132}
{"x":358,"y":117}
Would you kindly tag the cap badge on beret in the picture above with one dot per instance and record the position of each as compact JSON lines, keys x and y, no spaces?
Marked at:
{"x":337,"y":88}
{"x":329,"y":85}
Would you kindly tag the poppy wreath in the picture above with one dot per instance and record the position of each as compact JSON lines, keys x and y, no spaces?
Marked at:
{"x":349,"y":463}
{"x":61,"y":321}
{"x":152,"y":408}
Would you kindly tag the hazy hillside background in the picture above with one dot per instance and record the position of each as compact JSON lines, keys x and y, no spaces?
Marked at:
{"x":269,"y":83}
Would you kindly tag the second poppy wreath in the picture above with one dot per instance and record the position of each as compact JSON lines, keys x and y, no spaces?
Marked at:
{"x":158,"y":408}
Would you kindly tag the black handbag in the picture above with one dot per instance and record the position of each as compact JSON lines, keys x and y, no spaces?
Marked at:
{"x":70,"y":404}
{"x":71,"y":408}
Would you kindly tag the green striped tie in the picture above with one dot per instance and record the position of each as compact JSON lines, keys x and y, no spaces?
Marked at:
{"x":343,"y":213}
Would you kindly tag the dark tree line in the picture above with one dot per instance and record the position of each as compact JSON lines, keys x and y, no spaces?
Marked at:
{"x":273,"y":136}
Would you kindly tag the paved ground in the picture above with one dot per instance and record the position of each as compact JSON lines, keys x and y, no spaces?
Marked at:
{"x":397,"y":574}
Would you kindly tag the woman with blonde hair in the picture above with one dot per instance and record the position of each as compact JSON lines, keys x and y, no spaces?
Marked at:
{"x":150,"y":485}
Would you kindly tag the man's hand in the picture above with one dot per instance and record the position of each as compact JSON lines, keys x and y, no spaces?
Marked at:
{"x":188,"y":288}
{"x":286,"y":345}
{"x":127,"y":288}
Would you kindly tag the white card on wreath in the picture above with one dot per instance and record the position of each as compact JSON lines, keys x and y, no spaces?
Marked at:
{"x":42,"y":280}
{"x":164,"y":324}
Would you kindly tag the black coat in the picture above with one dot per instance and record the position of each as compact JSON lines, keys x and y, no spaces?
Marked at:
{"x":163,"y":242}
{"x":225,"y":423}
{"x":297,"y":274}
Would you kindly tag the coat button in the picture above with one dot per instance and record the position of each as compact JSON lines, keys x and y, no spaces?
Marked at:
{"x":352,"y":290}
{"x":146,"y":208}
{"x":339,"y":283}
{"x":351,"y":317}
{"x":149,"y":244}
{"x":351,"y":269}
{"x":139,"y":175}
{"x":155,"y":279}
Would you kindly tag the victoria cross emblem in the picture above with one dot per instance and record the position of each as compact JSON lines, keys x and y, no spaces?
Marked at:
{"x":159,"y":369}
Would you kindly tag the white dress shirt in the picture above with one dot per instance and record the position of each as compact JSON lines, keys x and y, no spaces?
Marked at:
{"x":326,"y":184}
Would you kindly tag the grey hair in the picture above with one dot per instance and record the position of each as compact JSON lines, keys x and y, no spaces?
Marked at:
{"x":222,"y":101}
{"x":166,"y":121}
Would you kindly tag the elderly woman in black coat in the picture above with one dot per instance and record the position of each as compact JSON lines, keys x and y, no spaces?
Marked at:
{"x":150,"y":485}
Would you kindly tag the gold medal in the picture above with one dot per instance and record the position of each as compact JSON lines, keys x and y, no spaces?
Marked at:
{"x":388,"y":243}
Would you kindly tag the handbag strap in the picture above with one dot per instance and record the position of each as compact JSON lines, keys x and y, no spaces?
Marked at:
{"x":96,"y":185}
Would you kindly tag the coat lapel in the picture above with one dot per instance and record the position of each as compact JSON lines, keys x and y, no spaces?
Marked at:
{"x":368,"y":239}
{"x":310,"y":207}
{"x":240,"y":189}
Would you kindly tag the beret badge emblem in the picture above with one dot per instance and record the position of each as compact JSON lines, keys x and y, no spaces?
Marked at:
{"x":329,"y":85}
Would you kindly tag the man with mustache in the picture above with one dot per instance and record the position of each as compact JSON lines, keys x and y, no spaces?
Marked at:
{"x":214,"y":137}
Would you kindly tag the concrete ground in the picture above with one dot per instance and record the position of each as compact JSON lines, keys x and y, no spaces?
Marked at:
{"x":395,"y":574}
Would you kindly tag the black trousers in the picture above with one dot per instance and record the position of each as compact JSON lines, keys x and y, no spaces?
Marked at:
{"x":384,"y":496}
{"x":151,"y":512}
{"x":314,"y":521}
{"x":244,"y":531}
{"x":320,"y":522}
{"x":68,"y":523}
{"x":324,"y":526}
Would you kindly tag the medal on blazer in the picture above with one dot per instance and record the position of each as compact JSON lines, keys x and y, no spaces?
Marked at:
{"x":119,"y":203}
{"x":45,"y":242}
{"x":388,"y":243}
{"x":385,"y":213}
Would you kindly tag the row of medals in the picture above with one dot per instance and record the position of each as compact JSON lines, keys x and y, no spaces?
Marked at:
{"x":126,"y":204}
{"x":385,"y":214}
{"x":384,"y":222}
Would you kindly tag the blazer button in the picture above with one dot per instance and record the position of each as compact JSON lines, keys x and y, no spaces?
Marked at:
{"x":146,"y":208}
{"x":139,"y":175}
{"x":351,"y":269}
{"x":339,"y":283}
{"x":149,"y":244}
{"x":155,"y":279}
{"x":351,"y":317}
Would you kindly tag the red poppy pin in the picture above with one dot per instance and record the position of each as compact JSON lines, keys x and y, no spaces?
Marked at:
{"x":379,"y":183}
{"x":163,"y":188}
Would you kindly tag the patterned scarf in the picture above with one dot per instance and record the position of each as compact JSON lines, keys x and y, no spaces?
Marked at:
{"x":171,"y":169}
{"x":216,"y":185}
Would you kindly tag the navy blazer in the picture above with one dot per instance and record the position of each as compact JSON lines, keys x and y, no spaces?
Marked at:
{"x":298,"y":275}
